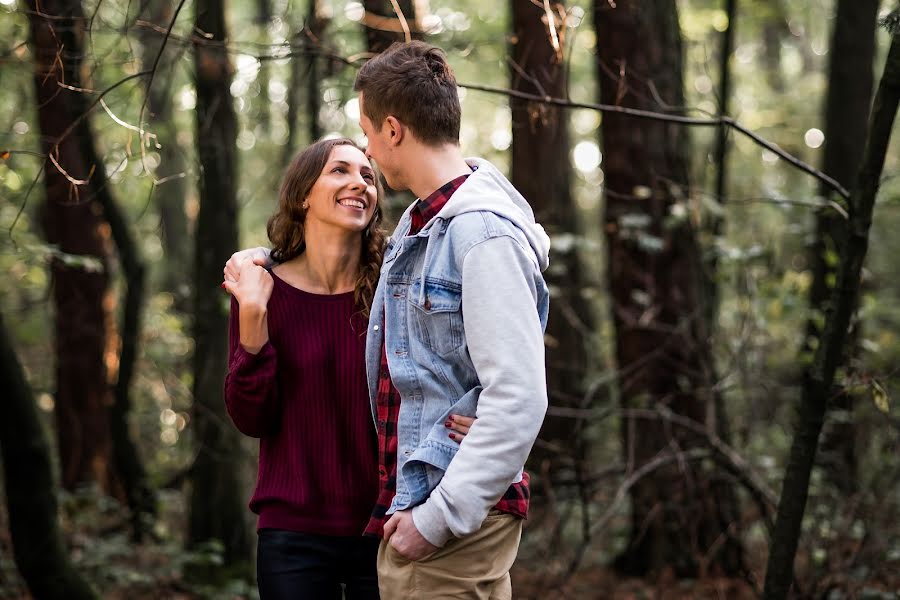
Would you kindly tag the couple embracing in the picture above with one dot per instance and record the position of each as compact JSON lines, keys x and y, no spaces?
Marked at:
{"x":435,"y":334}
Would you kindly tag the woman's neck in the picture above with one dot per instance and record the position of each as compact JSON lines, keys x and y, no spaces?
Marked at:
{"x":329,"y":265}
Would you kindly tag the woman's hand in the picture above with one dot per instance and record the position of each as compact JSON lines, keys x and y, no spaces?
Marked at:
{"x":252,"y":290}
{"x":459,"y":426}
{"x":253,"y":256}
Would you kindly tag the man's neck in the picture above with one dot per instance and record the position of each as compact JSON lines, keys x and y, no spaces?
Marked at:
{"x":431,"y":167}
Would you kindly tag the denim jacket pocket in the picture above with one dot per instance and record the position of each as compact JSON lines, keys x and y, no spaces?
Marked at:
{"x":437,"y":315}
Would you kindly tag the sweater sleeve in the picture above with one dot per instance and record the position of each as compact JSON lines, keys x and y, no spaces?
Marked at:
{"x":251,"y":394}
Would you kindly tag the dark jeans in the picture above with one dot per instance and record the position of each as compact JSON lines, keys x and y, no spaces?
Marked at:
{"x":301,"y":566}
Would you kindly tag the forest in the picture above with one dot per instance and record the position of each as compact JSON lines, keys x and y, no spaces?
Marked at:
{"x":718,"y":180}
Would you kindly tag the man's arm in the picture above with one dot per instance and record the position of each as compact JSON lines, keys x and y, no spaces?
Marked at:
{"x":506,"y":343}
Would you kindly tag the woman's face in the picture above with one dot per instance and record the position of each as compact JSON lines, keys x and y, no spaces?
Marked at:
{"x":344,"y":195}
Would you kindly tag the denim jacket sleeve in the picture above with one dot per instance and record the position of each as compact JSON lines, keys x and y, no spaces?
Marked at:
{"x":504,"y":334}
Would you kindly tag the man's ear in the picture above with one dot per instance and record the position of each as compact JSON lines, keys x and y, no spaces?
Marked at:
{"x":396,"y":129}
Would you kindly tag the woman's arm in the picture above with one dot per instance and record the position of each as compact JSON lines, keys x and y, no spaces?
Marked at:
{"x":251,"y":396}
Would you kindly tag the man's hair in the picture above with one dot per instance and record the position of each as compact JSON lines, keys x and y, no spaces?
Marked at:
{"x":413,"y":82}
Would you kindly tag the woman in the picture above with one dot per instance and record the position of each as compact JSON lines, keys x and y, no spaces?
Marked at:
{"x":297,"y":378}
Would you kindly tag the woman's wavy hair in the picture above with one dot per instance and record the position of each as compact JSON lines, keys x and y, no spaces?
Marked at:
{"x":286,"y":228}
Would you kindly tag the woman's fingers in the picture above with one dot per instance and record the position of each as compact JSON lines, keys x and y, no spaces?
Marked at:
{"x":459,"y":426}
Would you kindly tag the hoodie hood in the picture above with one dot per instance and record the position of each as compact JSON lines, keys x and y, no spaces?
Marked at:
{"x":487,"y":190}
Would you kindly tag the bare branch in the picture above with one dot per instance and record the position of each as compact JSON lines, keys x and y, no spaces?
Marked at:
{"x":657,"y":116}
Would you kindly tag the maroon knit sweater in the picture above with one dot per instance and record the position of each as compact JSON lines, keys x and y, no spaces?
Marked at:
{"x":305,"y":396}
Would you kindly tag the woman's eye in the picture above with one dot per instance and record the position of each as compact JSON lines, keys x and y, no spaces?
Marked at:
{"x":369,"y":177}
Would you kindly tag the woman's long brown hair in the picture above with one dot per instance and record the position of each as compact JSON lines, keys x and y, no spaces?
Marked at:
{"x":286,"y":228}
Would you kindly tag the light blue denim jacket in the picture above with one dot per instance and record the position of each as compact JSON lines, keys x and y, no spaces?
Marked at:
{"x":462,"y":307}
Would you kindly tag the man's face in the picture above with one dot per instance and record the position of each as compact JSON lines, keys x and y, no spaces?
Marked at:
{"x":378,"y":147}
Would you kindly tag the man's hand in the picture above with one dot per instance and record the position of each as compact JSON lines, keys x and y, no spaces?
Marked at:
{"x":257,"y":256}
{"x":400,"y":531}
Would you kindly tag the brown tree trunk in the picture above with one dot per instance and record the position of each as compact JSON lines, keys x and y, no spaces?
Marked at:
{"x":170,"y":195}
{"x":382,"y":28}
{"x":775,"y":30}
{"x":306,"y":69}
{"x":850,"y":82}
{"x":217,"y":497}
{"x":682,"y":517}
{"x":382,"y":25}
{"x":71,"y":218}
{"x":541,"y":172}
{"x":819,"y":378}
{"x":38,"y":546}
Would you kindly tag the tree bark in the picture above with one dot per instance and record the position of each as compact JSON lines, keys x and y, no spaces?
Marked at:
{"x":170,"y":195}
{"x":819,"y":378}
{"x":383,"y":26}
{"x":681,"y":521}
{"x":216,"y":499}
{"x":774,"y":30}
{"x":306,"y":74}
{"x":541,"y":171}
{"x":38,"y":546}
{"x":850,"y":83}
{"x":71,"y":218}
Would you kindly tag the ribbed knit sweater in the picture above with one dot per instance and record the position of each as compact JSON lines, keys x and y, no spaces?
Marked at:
{"x":305,"y":396}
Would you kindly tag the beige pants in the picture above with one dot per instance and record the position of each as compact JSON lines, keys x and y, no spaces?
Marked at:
{"x":476,"y":566}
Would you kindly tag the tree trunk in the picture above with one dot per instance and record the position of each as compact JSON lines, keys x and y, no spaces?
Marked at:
{"x":217,"y":497}
{"x":819,"y":378}
{"x":311,"y":38}
{"x":774,"y":30}
{"x":38,"y":546}
{"x":541,"y":172}
{"x":71,"y":219}
{"x":262,"y":19}
{"x":850,"y":82}
{"x":170,"y":195}
{"x":382,"y":25}
{"x":681,"y":520}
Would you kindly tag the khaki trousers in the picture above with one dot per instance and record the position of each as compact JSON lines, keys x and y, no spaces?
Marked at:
{"x":473,"y":567}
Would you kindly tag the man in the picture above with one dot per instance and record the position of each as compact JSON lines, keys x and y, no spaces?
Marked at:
{"x":456,"y":327}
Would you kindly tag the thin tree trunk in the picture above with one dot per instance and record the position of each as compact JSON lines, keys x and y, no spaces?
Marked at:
{"x":128,"y":464}
{"x":72,"y":221}
{"x":315,"y":30}
{"x":681,"y":521}
{"x":850,"y":83}
{"x":216,"y":499}
{"x":382,"y":25}
{"x":819,"y":378}
{"x":724,"y":97}
{"x":38,"y":546}
{"x":541,"y":172}
{"x":312,"y":38}
{"x":775,"y":30}
{"x":170,"y":196}
{"x":263,"y":17}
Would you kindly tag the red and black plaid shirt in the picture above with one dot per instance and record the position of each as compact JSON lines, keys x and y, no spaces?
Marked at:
{"x":387,"y":400}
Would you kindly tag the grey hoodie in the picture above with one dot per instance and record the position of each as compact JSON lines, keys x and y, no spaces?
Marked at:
{"x":505,"y":304}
